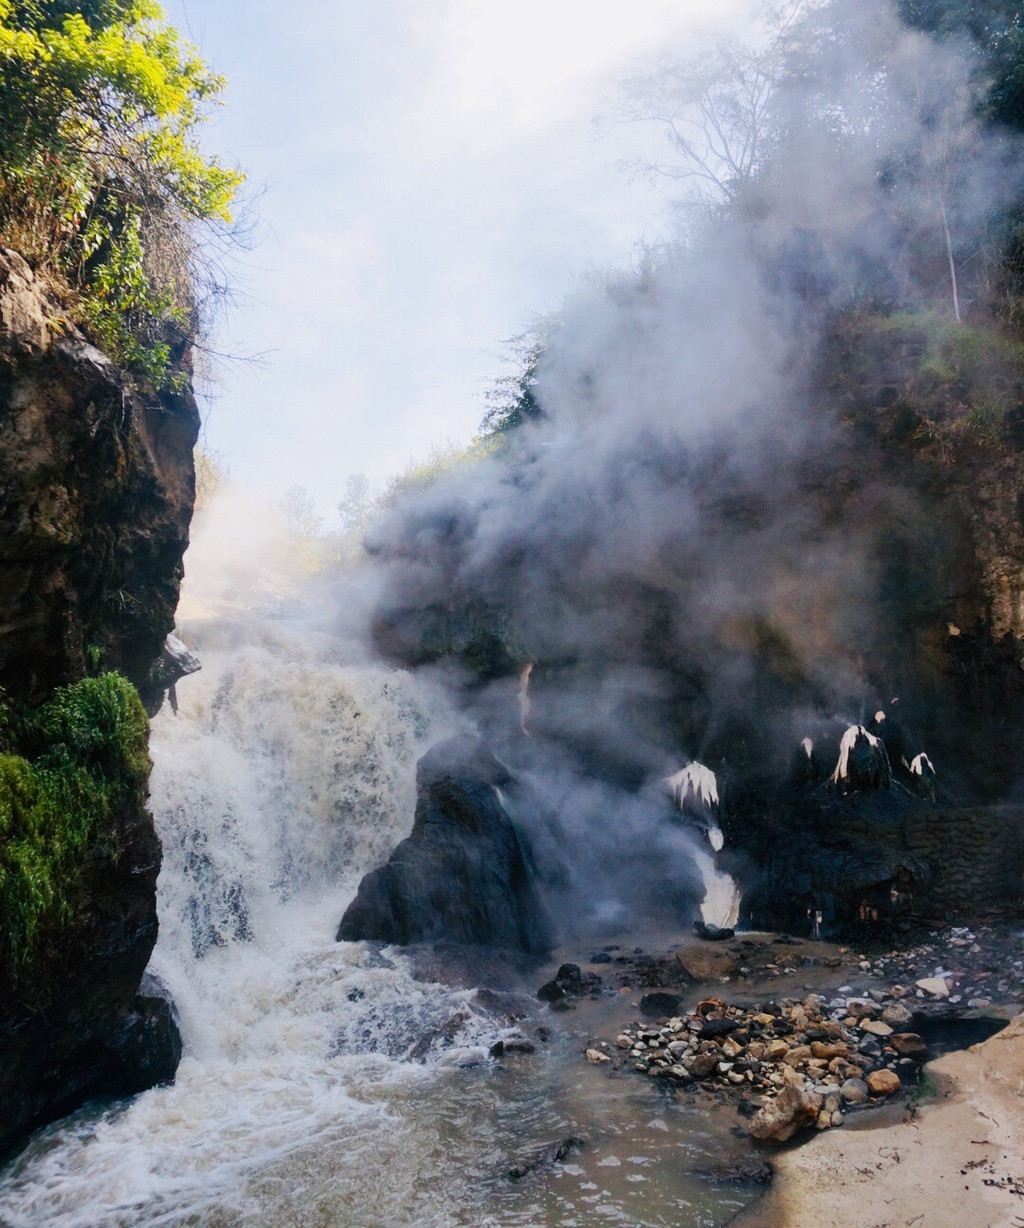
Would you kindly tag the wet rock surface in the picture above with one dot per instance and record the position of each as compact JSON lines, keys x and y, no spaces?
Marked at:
{"x":80,"y":1028}
{"x":175,"y":662}
{"x":544,"y":1157}
{"x":568,"y":982}
{"x":97,"y":486}
{"x":145,"y":1048}
{"x":461,"y":875}
{"x":884,"y":856}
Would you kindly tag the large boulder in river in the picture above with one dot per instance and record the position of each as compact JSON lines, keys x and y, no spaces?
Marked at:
{"x":461,"y":875}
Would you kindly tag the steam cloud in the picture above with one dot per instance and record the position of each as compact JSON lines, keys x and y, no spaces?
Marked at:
{"x":671,"y":549}
{"x":677,"y":547}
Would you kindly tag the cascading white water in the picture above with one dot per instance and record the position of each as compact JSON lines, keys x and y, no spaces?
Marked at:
{"x":721,"y":903}
{"x":287,"y":775}
{"x":306,"y":1095}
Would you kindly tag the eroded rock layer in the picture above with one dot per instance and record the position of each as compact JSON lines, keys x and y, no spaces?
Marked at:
{"x":96,"y":492}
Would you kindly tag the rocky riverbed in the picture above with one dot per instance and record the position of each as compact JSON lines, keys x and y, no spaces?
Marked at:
{"x":792,"y":1034}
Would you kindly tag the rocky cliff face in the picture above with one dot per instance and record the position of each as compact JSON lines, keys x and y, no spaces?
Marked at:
{"x":860,"y":548}
{"x":96,"y":493}
{"x":75,"y":1023}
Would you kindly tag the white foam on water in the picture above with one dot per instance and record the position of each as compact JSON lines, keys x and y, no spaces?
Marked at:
{"x":287,"y":775}
{"x":307,"y":1094}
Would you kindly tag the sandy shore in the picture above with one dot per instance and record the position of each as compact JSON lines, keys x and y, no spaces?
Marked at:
{"x":957,"y":1161}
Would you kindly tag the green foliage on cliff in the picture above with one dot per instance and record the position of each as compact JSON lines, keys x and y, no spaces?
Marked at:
{"x":956,"y":386}
{"x":995,"y":27}
{"x":103,"y":185}
{"x":513,"y":401}
{"x":67,"y":771}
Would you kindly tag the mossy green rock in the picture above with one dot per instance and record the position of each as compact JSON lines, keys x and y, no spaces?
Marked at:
{"x":78,"y":865}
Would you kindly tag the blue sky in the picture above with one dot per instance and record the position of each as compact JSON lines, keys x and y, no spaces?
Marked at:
{"x":429,"y":177}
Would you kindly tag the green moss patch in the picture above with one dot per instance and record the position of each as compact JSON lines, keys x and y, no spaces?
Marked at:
{"x":67,"y":771}
{"x":950,"y":388}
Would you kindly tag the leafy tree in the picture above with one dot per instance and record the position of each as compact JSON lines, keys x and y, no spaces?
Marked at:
{"x":997,"y":29}
{"x":512,"y":401}
{"x":716,"y":109}
{"x":299,"y":509}
{"x":211,"y":475}
{"x":102,"y":181}
{"x":355,"y":507}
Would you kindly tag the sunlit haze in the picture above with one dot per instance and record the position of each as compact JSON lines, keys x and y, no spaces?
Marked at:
{"x":429,"y":178}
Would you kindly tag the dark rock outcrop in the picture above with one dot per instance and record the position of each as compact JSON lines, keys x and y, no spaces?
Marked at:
{"x":568,"y":982}
{"x":97,"y":485}
{"x":461,"y":875}
{"x":76,"y":1026}
{"x":660,"y":1003}
{"x":843,"y":856}
{"x":880,"y":857}
{"x":174,"y":663}
{"x":862,"y":554}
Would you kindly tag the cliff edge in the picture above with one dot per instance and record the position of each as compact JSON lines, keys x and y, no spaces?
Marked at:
{"x":96,"y":492}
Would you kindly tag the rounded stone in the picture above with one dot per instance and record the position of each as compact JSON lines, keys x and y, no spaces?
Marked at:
{"x":897,"y":1016}
{"x":883,"y":1083}
{"x":909,"y":1044}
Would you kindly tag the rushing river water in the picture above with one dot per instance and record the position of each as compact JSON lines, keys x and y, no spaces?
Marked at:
{"x":300,"y":1100}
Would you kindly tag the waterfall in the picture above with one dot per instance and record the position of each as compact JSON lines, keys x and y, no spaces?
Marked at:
{"x":321,"y":1081}
{"x":288,"y":774}
{"x":721,"y":903}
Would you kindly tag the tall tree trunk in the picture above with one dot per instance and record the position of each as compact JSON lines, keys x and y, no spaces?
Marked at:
{"x":949,"y":257}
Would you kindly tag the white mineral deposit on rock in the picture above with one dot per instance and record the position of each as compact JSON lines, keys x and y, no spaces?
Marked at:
{"x":922,"y":766}
{"x":695,"y":779}
{"x":850,"y":739}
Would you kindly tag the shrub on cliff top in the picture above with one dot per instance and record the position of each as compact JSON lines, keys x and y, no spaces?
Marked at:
{"x":67,"y":770}
{"x":102,"y":182}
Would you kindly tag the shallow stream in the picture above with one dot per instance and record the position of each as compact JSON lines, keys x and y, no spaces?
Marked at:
{"x":288,"y":774}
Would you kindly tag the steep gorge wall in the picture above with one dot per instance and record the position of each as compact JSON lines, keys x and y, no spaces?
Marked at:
{"x":862,"y":550}
{"x":977,"y":856}
{"x":96,"y":493}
